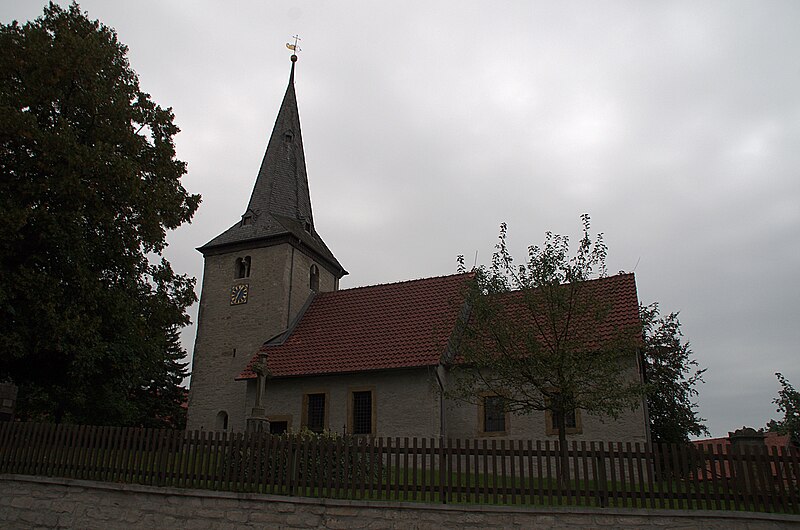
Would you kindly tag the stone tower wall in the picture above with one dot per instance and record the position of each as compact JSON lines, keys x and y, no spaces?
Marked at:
{"x":278,"y":288}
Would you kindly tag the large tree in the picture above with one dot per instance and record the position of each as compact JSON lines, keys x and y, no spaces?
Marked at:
{"x":89,"y":309}
{"x":531,"y":335}
{"x":671,"y":375}
{"x":788,"y":402}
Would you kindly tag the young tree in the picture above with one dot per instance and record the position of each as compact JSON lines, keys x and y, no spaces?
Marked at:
{"x":89,"y":309}
{"x":540,"y":335}
{"x":671,"y":375}
{"x":788,"y":402}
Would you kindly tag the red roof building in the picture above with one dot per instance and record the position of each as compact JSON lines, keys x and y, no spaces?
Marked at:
{"x":736,"y":443}
{"x":404,"y":325}
{"x":369,"y":360}
{"x":391,"y":345}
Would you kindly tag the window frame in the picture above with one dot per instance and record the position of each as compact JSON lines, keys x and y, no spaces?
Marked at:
{"x":223,"y":417}
{"x":281,"y":417}
{"x":241,"y":268}
{"x":482,"y":416}
{"x":350,"y":409}
{"x":313,"y":278}
{"x":325,"y":413}
{"x":552,"y":430}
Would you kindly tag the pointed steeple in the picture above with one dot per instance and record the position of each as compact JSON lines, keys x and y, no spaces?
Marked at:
{"x":280,"y":204}
{"x":282,"y":185}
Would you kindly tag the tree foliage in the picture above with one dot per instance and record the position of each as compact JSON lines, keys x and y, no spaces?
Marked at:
{"x":530,"y":334}
{"x":89,"y":309}
{"x":788,"y":402}
{"x":671,"y":375}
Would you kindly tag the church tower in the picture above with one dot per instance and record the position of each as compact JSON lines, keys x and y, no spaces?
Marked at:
{"x":257,"y":276}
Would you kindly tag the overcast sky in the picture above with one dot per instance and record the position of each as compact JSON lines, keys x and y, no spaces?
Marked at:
{"x":675,"y":125}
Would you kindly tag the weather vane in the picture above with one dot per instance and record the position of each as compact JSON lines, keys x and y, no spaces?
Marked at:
{"x":294,"y":47}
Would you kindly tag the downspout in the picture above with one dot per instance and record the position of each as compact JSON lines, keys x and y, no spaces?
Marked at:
{"x":442,"y":424}
{"x":646,"y":408}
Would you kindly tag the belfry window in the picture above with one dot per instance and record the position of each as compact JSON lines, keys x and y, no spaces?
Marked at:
{"x":313,"y":279}
{"x":288,"y":136}
{"x":242,"y":269}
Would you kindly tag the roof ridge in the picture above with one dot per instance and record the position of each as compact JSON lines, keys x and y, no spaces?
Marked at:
{"x":465,"y":274}
{"x":399,"y":282}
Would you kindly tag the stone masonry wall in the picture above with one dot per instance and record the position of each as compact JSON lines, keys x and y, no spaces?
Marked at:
{"x":464,"y":421}
{"x":278,"y":288}
{"x":406,"y":402}
{"x":29,"y":502}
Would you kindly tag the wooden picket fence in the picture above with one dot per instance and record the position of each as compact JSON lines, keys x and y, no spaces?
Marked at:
{"x":514,"y":472}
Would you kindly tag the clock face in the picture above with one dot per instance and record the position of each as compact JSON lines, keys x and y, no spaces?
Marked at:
{"x":239,"y":294}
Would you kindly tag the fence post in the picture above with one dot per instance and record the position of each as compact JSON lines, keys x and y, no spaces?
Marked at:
{"x":291,"y":454}
{"x":602,"y":481}
{"x":442,"y":469}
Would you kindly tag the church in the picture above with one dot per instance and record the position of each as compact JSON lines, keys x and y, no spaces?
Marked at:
{"x":280,"y":345}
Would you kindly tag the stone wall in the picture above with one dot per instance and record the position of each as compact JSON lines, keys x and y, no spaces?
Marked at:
{"x":278,"y":288}
{"x":464,"y":421}
{"x":405,"y":402}
{"x":28,"y":502}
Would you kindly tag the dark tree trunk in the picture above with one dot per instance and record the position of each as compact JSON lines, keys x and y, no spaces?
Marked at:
{"x":563,"y":476}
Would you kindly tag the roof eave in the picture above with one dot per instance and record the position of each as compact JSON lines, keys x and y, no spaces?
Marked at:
{"x":259,"y":242}
{"x":350,"y":372}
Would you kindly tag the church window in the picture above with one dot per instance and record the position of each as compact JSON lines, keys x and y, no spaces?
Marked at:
{"x":242,"y":269}
{"x":278,"y":427}
{"x":315,"y":412}
{"x":247,"y":220}
{"x":288,"y":136}
{"x":493,"y":415}
{"x":571,"y":419}
{"x":222,"y":421}
{"x":362,"y":412}
{"x":313,"y":278}
{"x":280,"y":424}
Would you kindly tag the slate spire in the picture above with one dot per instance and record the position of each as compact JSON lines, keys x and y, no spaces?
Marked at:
{"x":280,"y":205}
{"x":282,"y":184}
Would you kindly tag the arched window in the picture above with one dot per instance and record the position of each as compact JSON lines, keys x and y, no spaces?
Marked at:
{"x":313,"y":278}
{"x":222,"y":421}
{"x":242,"y":269}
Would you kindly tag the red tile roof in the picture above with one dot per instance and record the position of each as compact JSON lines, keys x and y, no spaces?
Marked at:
{"x":612,"y":310}
{"x":404,"y":325}
{"x":771,"y":439}
{"x":397,"y":325}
